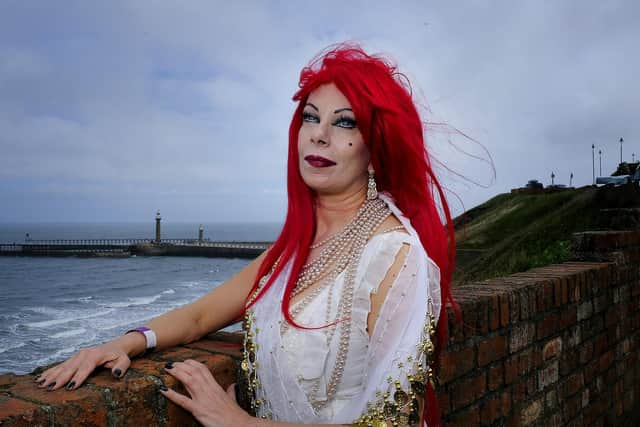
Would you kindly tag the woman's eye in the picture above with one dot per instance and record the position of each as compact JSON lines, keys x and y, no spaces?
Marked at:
{"x":308,"y":117}
{"x":346,"y":122}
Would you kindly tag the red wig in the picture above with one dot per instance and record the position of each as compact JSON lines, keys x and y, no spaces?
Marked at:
{"x":391,"y":127}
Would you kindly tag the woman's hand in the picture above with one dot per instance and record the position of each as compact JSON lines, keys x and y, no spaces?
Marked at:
{"x":209,"y":403}
{"x":74,"y":371}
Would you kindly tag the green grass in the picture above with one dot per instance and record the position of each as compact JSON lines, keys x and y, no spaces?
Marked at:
{"x":515,"y":232}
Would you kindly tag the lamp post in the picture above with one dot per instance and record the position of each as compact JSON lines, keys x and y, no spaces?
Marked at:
{"x":571,"y":179}
{"x":600,"y":159}
{"x":552,"y":176}
{"x":621,"y":141}
{"x":593,"y":164}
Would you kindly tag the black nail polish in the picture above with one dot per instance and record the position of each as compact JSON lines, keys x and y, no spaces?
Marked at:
{"x":117,"y":373}
{"x":42,"y":381}
{"x":163,"y":388}
{"x":168,"y":365}
{"x":71,"y":385}
{"x":50,"y":386}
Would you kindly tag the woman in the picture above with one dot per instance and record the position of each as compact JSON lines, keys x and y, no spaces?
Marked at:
{"x":340,"y":313}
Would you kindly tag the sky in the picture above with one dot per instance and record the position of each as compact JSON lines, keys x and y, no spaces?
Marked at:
{"x":112,"y":110}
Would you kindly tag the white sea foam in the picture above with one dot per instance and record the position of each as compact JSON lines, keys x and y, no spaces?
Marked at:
{"x":63,"y":320}
{"x":67,"y":351}
{"x":11,"y":347}
{"x":133,"y":301}
{"x":69,"y":333}
{"x":169,"y":292}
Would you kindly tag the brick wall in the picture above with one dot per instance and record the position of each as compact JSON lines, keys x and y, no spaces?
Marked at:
{"x":553,"y":346}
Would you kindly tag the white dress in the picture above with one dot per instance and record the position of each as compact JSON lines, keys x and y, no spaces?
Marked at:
{"x":289,"y":366}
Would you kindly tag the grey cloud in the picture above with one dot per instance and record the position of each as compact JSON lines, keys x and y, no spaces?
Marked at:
{"x":186,"y":106}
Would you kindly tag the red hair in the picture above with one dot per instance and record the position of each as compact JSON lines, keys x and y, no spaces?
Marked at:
{"x":391,"y":127}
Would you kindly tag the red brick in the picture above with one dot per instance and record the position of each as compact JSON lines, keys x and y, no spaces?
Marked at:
{"x":137,"y":391}
{"x":548,"y":325}
{"x":611,"y":316}
{"x":571,"y":407}
{"x":466,"y":418}
{"x":495,"y":377}
{"x":531,"y":412}
{"x":467,"y":391}
{"x":552,"y":348}
{"x":15,"y":412}
{"x":549,"y":295}
{"x":180,"y":354}
{"x":605,"y":361}
{"x":83,"y":406}
{"x":490,"y":410}
{"x":564,"y":293}
{"x":491,"y":349}
{"x":444,"y":402}
{"x":568,"y":317}
{"x":590,"y":371}
{"x":586,"y":352}
{"x":494,"y":312}
{"x":511,"y":370}
{"x":573,"y":384}
{"x":504,"y":310}
{"x":522,"y":335}
{"x":454,"y":364}
{"x":505,"y":400}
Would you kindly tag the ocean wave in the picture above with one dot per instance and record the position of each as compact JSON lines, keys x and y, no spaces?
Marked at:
{"x":12,"y":347}
{"x":63,"y":320}
{"x":133,"y":301}
{"x":67,"y":351}
{"x":69,"y":333}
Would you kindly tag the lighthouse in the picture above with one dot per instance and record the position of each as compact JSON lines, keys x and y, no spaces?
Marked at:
{"x":158,"y":218}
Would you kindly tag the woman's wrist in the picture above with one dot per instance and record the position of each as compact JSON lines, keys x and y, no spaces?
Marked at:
{"x":133,"y":344}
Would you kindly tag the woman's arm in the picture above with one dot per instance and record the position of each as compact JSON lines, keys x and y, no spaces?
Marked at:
{"x":209,"y":313}
{"x":212,"y":312}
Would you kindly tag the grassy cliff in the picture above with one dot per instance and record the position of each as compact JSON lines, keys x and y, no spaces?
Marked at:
{"x":515,"y":232}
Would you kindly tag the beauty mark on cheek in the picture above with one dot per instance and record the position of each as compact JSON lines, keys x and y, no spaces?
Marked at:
{"x":350,"y":144}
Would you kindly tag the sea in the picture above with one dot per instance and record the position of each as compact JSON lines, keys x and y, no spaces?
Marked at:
{"x":50,"y":307}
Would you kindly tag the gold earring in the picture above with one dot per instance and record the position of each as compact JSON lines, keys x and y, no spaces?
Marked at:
{"x":372,"y":189}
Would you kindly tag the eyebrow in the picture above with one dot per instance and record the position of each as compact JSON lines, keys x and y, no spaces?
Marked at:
{"x":339,"y":110}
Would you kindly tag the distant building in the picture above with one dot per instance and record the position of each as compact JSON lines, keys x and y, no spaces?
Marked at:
{"x":625,"y":174}
{"x":534,"y":184}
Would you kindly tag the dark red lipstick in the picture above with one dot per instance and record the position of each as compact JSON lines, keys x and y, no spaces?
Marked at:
{"x":319,"y":161}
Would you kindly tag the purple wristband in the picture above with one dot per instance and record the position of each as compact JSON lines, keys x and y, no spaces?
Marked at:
{"x":149,"y":336}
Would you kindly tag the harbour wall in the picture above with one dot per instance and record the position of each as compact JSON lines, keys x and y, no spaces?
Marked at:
{"x":552,"y":346}
{"x":126,"y":248}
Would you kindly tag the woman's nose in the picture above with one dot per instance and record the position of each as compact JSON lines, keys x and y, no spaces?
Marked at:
{"x":320,"y":134}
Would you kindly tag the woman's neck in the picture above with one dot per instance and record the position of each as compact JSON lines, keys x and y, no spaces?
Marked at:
{"x":333,"y":212}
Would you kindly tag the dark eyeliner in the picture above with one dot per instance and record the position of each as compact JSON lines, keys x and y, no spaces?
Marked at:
{"x":350,"y":122}
{"x":309,"y":117}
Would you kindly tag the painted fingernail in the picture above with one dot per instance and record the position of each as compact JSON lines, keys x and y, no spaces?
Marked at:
{"x":71,"y":385}
{"x":168,"y":365}
{"x":42,"y":381}
{"x":117,"y":372}
{"x":50,"y":386}
{"x":163,"y":388}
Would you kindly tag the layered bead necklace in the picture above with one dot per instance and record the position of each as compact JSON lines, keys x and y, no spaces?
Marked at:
{"x":342,"y":252}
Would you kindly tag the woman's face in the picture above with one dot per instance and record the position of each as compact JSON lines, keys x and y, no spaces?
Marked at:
{"x":333,"y":156}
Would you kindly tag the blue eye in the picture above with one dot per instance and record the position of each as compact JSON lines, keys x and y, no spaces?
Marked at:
{"x":309,"y":117}
{"x":346,"y":122}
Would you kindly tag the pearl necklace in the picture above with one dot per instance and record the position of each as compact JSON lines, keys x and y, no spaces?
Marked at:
{"x":342,"y":253}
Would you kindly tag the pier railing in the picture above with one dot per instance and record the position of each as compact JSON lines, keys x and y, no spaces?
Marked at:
{"x":126,"y":247}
